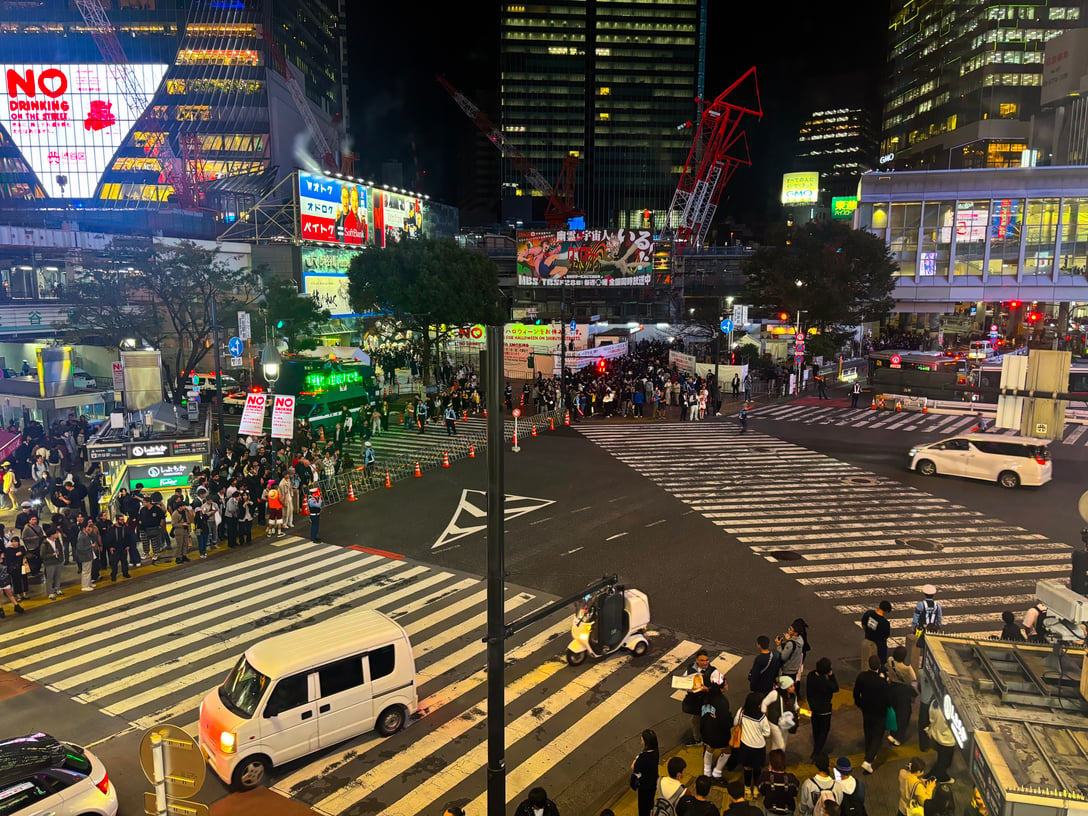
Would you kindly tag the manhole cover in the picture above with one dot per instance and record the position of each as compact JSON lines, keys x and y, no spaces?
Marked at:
{"x":861,"y":481}
{"x":760,"y":449}
{"x":926,"y":544}
{"x":785,"y":555}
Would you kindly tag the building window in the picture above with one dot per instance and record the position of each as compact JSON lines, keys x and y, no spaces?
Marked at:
{"x":904,"y":221}
{"x":1041,"y":232}
{"x":1074,"y":232}
{"x":970,"y":226}
{"x":935,"y":249}
{"x":1006,"y":226}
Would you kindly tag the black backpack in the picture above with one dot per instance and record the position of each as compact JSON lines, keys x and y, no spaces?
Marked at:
{"x":852,"y":804}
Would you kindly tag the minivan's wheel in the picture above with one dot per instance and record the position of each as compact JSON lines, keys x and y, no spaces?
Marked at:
{"x":575,"y":658}
{"x":926,"y":468}
{"x":390,"y":721}
{"x":251,"y":772}
{"x":1008,"y":478}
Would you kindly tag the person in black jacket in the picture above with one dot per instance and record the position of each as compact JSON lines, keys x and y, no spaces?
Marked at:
{"x":871,"y":695}
{"x":716,"y":724}
{"x":822,"y":686}
{"x":876,"y":629}
{"x":764,"y":671}
{"x":644,"y":772}
{"x":537,"y":801}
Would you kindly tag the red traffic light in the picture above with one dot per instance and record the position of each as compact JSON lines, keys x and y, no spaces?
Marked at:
{"x":783,"y":316}
{"x":1014,"y":304}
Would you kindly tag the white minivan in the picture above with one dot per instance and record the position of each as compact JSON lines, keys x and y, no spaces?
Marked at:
{"x":1010,"y":461}
{"x":307,"y":689}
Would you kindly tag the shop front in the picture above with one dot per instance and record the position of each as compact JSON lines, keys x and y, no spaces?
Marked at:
{"x":160,"y":465}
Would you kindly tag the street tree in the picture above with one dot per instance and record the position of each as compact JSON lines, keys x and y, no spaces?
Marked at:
{"x":290,"y":315}
{"x":168,"y":289}
{"x":833,"y":275}
{"x":428,"y":287}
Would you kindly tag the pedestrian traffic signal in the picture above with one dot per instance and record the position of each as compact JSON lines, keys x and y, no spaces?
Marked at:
{"x":196,"y":379}
{"x":280,"y":324}
{"x":600,"y":366}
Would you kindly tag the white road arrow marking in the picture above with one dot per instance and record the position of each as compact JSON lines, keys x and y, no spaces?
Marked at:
{"x":473,"y":505}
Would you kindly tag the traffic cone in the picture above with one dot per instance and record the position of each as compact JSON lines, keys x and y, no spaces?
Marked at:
{"x":351,"y":492}
{"x":551,"y":423}
{"x":402,"y":418}
{"x":899,"y":405}
{"x":471,"y":450}
{"x":304,"y":510}
{"x":566,"y":418}
{"x":419,"y":473}
{"x":873,"y":406}
{"x":925,"y":408}
{"x":388,"y":481}
{"x":534,"y":430}
{"x":445,"y":458}
{"x":465,"y":415}
{"x":485,"y":413}
{"x":321,"y":428}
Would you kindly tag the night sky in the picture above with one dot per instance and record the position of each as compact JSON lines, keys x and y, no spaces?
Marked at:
{"x":806,"y":54}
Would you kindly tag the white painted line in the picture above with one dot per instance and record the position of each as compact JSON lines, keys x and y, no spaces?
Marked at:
{"x":581,"y":509}
{"x":655,"y":523}
{"x":539,"y":521}
{"x":1075,"y":435}
{"x":572,"y":552}
{"x":617,"y":535}
{"x":864,"y":578}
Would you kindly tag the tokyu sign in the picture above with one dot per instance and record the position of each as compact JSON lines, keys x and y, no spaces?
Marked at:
{"x":68,"y":120}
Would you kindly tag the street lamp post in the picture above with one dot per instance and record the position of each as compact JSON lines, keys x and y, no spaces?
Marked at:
{"x":270,"y":367}
{"x":799,"y":359}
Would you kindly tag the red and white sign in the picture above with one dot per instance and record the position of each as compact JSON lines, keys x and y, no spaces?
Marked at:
{"x":516,"y":412}
{"x":69,"y":119}
{"x":253,"y":415}
{"x":118,"y":376}
{"x":283,"y":416}
{"x":896,"y":361}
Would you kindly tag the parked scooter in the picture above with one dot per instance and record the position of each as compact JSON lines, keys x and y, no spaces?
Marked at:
{"x":610,"y":619}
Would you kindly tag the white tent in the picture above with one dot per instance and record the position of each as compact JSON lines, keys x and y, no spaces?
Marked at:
{"x":340,"y":353}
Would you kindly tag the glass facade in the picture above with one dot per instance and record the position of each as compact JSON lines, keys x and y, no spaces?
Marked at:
{"x":212,"y":104}
{"x":964,"y":79}
{"x":608,"y":80}
{"x":985,"y":235}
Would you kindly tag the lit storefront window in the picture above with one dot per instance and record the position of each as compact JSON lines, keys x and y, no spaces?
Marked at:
{"x":1006,"y":221}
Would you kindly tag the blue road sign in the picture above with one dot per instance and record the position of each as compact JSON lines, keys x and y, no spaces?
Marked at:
{"x":234,"y":346}
{"x":574,"y":325}
{"x":727,"y":326}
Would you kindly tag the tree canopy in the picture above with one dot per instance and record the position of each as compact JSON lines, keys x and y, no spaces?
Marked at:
{"x":835,"y":275}
{"x":292,"y":316}
{"x":425,"y":285}
{"x":162,"y":297}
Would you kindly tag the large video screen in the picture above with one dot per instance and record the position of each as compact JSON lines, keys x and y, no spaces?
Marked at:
{"x":337,"y":211}
{"x":69,"y":119}
{"x":585,"y":257}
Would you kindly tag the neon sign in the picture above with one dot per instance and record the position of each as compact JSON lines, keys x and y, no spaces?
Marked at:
{"x":324,"y":380}
{"x":68,"y":120}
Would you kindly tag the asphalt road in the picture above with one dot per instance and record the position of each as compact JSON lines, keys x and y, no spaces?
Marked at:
{"x":575,"y":512}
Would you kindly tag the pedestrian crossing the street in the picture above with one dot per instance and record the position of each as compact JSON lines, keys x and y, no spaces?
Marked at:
{"x":148,"y":656}
{"x":848,"y":535}
{"x":942,"y":424}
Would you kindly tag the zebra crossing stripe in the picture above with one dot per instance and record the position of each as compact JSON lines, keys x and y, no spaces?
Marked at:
{"x":526,"y":773}
{"x":187,"y":706}
{"x":428,"y":705}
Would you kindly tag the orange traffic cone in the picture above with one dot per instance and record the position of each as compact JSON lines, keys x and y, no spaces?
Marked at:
{"x":388,"y":481}
{"x":873,"y":406}
{"x":419,"y":473}
{"x":465,"y":416}
{"x":925,"y":408}
{"x":566,"y":418}
{"x":534,"y":430}
{"x":445,"y":458}
{"x":485,"y":413}
{"x":304,"y":510}
{"x":321,"y":428}
{"x":899,"y":405}
{"x":351,"y":492}
{"x":471,"y":450}
{"x":551,"y":423}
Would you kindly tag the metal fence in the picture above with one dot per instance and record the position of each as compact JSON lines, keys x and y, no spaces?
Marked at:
{"x":466,"y":444}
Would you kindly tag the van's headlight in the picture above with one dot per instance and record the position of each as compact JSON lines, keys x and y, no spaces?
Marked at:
{"x":227,"y":742}
{"x":913,"y":452}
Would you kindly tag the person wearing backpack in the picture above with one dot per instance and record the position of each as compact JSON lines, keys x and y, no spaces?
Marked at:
{"x":669,"y":789}
{"x":928,"y":617}
{"x":765,"y":667}
{"x":696,"y":804}
{"x":819,"y":788}
{"x":780,"y":706}
{"x":777,"y":786}
{"x":850,"y":789}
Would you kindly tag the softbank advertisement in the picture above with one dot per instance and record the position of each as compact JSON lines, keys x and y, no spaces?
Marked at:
{"x":337,"y":211}
{"x":69,"y":119}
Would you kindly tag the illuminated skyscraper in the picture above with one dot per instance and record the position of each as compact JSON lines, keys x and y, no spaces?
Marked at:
{"x":210,"y":79}
{"x":964,"y":79}
{"x":611,"y":82}
{"x":840,"y":144}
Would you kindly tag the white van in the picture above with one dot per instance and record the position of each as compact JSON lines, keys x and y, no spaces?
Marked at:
{"x":1010,"y":461}
{"x":305,"y":690}
{"x":980,"y":349}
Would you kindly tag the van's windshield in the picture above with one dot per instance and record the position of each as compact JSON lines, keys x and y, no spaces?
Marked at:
{"x":243,"y":689}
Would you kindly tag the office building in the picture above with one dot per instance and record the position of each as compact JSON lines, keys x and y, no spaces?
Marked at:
{"x":611,"y":82}
{"x":840,"y":144}
{"x":964,"y":80}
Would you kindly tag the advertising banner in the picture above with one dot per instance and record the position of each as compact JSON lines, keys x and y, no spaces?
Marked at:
{"x":161,"y":476}
{"x":543,"y":338}
{"x":585,"y":257}
{"x":253,"y":415}
{"x":800,"y":188}
{"x":69,"y":119}
{"x":283,"y":416}
{"x":578,"y":360}
{"x":682,"y":362}
{"x":325,"y":278}
{"x":843,"y":206}
{"x":333,"y":211}
{"x":396,"y":217}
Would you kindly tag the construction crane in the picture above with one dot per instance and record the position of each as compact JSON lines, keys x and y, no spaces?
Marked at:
{"x":324,"y":149}
{"x":719,"y":147}
{"x":157,"y":144}
{"x":560,"y":197}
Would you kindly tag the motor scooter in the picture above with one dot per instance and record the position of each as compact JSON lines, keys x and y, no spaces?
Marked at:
{"x":610,"y":619}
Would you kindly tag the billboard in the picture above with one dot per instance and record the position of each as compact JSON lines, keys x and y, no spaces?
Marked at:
{"x":843,"y":206}
{"x":341,"y":211}
{"x":801,"y":188}
{"x":325,"y":278}
{"x":69,"y":119}
{"x":1065,"y":63}
{"x":585,"y":257}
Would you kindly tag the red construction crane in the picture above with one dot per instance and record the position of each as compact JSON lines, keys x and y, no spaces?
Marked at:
{"x":157,"y":144}
{"x":560,"y":197}
{"x":719,"y":147}
{"x":324,"y":149}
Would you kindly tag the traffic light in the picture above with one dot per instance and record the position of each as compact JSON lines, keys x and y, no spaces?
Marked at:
{"x":196,"y":378}
{"x":600,"y":366}
{"x":280,"y":324}
{"x":783,"y":316}
{"x":1014,"y":304}
{"x":1033,"y":317}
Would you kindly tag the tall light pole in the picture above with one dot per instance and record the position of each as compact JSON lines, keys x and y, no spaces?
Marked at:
{"x":270,"y":367}
{"x":799,"y":359}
